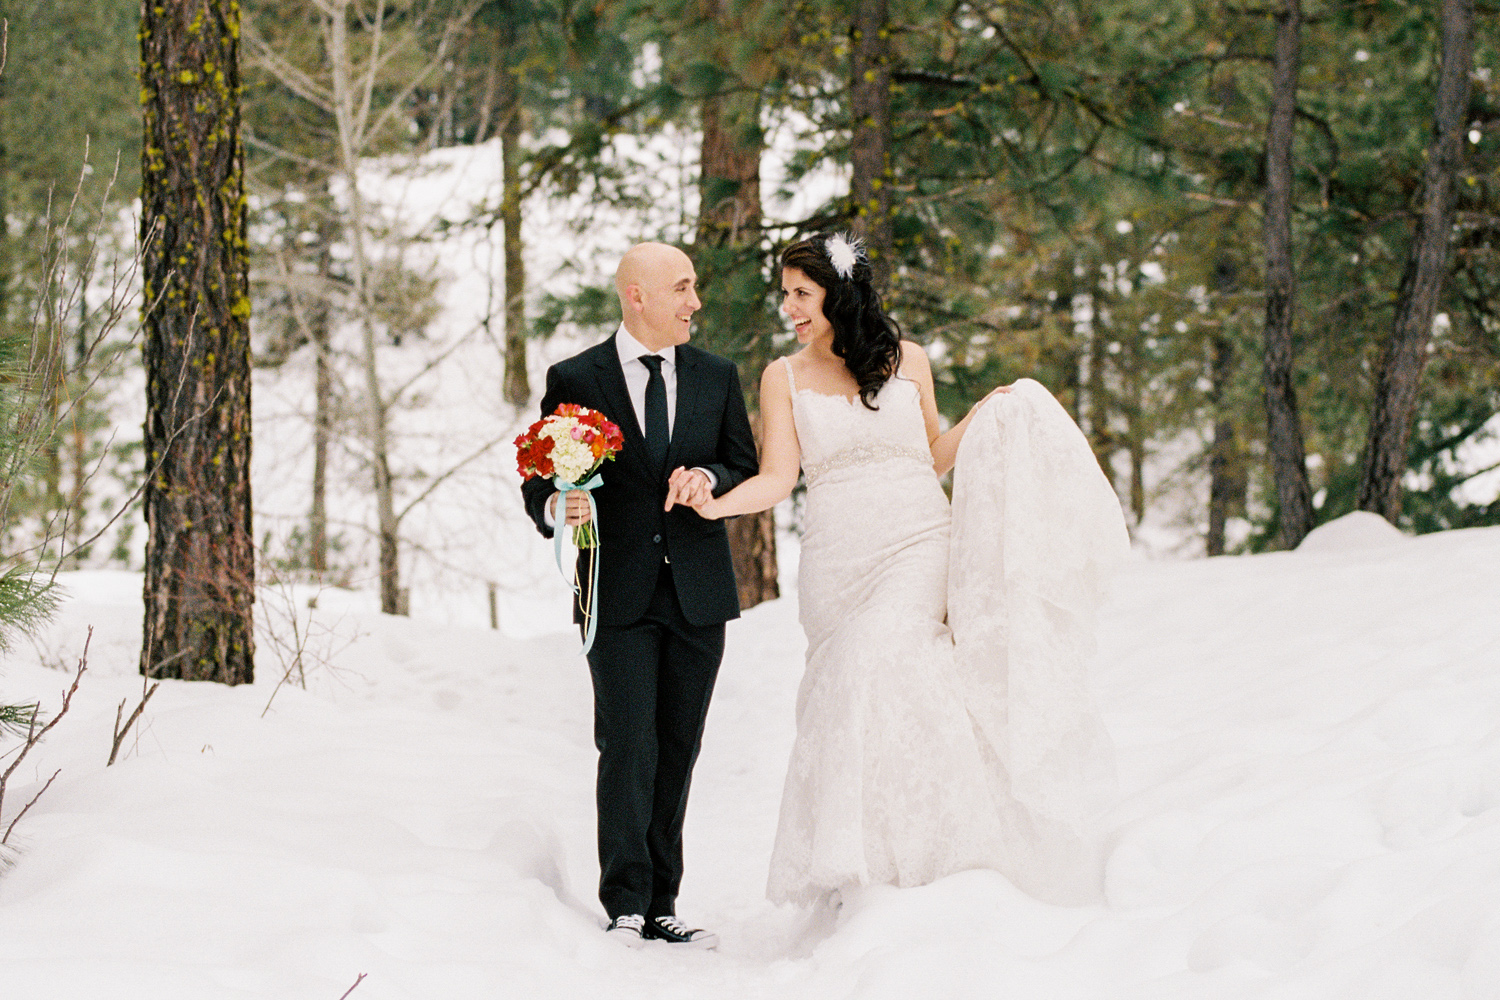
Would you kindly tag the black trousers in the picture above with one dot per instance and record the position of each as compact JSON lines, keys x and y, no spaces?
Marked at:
{"x":652,"y":682}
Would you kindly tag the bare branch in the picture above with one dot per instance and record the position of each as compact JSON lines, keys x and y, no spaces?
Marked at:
{"x":451,"y":471}
{"x":297,"y":652}
{"x":398,"y":103}
{"x":298,"y":82}
{"x":251,"y":139}
{"x":125,"y":506}
{"x":121,"y":731}
{"x":395,"y":395}
{"x":28,"y":806}
{"x":35,"y":735}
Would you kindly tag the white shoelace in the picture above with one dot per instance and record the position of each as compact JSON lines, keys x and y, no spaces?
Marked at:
{"x":674,"y":925}
{"x":630,"y":921}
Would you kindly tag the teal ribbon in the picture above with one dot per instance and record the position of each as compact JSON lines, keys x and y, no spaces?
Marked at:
{"x":590,"y":613}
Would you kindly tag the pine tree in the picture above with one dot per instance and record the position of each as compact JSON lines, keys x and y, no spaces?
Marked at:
{"x":870,"y":141}
{"x":200,"y":561}
{"x":1284,"y":423}
{"x":1426,"y":270}
{"x":731,"y":252}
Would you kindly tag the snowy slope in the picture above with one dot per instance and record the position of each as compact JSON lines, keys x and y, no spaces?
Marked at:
{"x":1309,"y":747}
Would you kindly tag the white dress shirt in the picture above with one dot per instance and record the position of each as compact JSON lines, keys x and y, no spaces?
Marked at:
{"x":636,"y":377}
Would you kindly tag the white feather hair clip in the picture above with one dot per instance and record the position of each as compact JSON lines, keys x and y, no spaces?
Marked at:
{"x":844,"y":251}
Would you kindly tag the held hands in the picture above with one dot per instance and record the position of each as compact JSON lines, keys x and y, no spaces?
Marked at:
{"x":708,"y":509}
{"x":690,"y":488}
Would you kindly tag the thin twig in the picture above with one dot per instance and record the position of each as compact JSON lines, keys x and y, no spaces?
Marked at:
{"x":124,"y":507}
{"x":120,"y":733}
{"x":354,"y":987}
{"x":450,"y":472}
{"x":113,"y":312}
{"x":35,"y":736}
{"x":296,"y":654}
{"x":169,"y":660}
{"x":8,"y":829}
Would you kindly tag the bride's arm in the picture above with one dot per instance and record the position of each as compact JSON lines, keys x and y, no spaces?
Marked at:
{"x":944,"y":444}
{"x":780,"y":453}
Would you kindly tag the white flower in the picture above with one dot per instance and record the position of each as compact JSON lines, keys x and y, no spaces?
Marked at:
{"x":844,"y":252}
{"x":571,"y":460}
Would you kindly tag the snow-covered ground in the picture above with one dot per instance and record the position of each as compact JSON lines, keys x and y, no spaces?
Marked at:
{"x":1309,"y":747}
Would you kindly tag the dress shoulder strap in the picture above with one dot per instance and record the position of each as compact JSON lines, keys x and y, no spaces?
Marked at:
{"x":791,"y":380}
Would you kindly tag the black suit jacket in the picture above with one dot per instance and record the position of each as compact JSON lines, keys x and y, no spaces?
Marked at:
{"x":711,"y":430}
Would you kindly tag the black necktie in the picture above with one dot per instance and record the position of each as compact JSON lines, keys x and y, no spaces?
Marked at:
{"x":656,"y":413}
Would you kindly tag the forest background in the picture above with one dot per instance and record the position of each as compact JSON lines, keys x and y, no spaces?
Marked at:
{"x":1088,"y":194}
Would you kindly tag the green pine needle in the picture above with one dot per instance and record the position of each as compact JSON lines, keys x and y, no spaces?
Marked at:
{"x":15,"y":720}
{"x":25,"y":604}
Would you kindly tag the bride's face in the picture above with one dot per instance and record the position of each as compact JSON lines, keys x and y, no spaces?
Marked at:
{"x":802,"y":301}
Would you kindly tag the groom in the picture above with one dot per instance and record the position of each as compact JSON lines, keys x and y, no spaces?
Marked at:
{"x":666,"y":582}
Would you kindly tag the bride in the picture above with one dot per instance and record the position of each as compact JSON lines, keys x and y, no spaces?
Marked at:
{"x":943,"y":722}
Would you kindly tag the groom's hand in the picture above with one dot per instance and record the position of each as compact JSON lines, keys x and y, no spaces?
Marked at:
{"x":578,"y":507}
{"x":688,"y":487}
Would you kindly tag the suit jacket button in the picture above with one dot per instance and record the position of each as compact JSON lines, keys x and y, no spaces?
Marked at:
{"x":656,"y":539}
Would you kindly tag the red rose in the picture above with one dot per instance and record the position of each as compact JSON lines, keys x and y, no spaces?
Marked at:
{"x":534,"y":456}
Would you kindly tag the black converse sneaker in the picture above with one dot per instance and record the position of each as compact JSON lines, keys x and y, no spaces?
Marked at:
{"x":674,"y":931}
{"x":628,"y":930}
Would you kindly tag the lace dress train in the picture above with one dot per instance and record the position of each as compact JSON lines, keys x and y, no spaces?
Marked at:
{"x":921,"y":749}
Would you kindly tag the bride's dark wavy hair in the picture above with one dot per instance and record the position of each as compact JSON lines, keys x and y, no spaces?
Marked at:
{"x":864,"y":337}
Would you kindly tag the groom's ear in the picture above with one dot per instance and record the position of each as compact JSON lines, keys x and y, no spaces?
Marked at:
{"x":634,"y":298}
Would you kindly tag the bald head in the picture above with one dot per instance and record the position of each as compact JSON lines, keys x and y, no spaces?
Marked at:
{"x":658,"y":294}
{"x":645,"y":261}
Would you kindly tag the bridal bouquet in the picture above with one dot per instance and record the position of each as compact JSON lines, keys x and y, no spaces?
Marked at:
{"x":568,"y":448}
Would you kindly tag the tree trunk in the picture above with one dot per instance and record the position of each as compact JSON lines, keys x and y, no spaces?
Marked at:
{"x":1101,"y":435}
{"x":200,"y":565}
{"x":1226,"y":468}
{"x":1405,"y":354}
{"x":387,"y":524}
{"x":349,"y":119}
{"x":869,"y":152}
{"x":517,"y":386}
{"x":493,"y":67}
{"x":1135,"y":431}
{"x":731,"y":218}
{"x":317,"y":516}
{"x":1222,"y":482}
{"x":320,"y":320}
{"x":1283,"y":424}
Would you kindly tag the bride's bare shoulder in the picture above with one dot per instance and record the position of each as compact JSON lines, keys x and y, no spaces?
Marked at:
{"x":795,"y":367}
{"x":777,"y":377}
{"x":914,"y":357}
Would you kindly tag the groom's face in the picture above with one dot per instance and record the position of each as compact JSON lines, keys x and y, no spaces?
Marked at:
{"x":668,"y":299}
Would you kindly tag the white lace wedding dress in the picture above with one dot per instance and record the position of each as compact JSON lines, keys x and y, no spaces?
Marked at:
{"x":944,"y":721}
